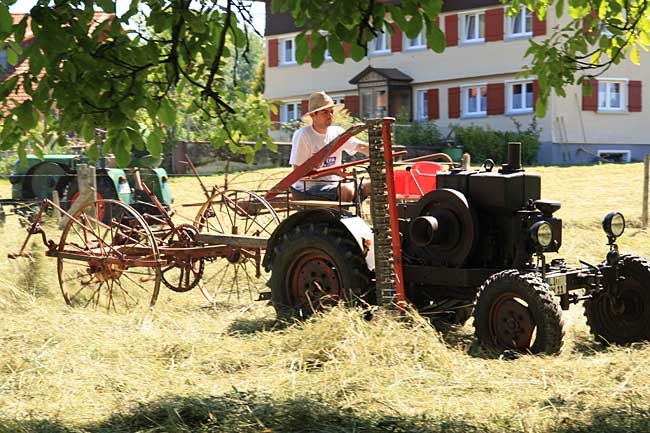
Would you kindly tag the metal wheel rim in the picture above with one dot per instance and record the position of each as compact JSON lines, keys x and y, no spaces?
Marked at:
{"x":238,"y":273}
{"x":313,"y":281}
{"x":182,"y":275}
{"x":512,"y":324}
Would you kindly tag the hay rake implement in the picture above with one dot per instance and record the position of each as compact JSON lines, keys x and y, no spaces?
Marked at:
{"x":111,"y":257}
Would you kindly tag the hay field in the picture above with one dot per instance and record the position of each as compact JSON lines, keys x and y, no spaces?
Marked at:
{"x":190,"y":367}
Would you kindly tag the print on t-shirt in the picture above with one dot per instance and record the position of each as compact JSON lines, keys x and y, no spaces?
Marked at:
{"x":329,"y":162}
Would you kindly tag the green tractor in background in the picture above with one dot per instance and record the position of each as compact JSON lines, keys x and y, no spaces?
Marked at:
{"x":36,"y":179}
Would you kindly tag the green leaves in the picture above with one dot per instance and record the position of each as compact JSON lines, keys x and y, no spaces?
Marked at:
{"x":6,"y":22}
{"x":302,"y":48}
{"x":166,"y":112}
{"x":436,"y":39}
{"x":27,"y":116}
{"x":336,"y":49}
{"x":107,"y":6}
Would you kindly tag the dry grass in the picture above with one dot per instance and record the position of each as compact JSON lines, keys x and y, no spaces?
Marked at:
{"x":232,"y":368}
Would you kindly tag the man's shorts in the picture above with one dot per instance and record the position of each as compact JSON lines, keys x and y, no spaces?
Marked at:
{"x":321,"y":191}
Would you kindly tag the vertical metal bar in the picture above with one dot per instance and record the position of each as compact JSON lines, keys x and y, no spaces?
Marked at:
{"x":646,"y":178}
{"x":392,"y":211}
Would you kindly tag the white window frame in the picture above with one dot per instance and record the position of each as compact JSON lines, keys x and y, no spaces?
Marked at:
{"x":477,"y":27}
{"x":283,"y":53}
{"x":522,"y":15}
{"x":372,"y":51}
{"x":510,"y":95}
{"x":416,"y":44}
{"x":627,"y":154}
{"x":623,"y":82}
{"x":284,"y":111}
{"x":422,"y":105}
{"x":464,"y":100}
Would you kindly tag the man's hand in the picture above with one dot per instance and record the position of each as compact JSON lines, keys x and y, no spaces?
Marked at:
{"x":363,"y":148}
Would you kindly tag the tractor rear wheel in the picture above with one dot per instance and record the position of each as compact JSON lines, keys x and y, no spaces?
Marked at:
{"x":625,"y":319}
{"x":516,"y":311}
{"x":314,"y":267}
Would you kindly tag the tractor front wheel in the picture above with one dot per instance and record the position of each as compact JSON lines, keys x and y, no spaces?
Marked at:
{"x":314,"y":267}
{"x":625,"y":318}
{"x":518,"y":312}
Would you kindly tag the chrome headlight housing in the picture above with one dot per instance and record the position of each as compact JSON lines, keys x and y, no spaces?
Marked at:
{"x":614,"y":224}
{"x":541,"y":234}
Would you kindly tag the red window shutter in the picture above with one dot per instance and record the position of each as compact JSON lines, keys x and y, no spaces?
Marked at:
{"x":451,"y":30}
{"x":273,"y":52}
{"x":535,"y":93}
{"x":590,"y":102}
{"x":494,"y":25}
{"x":495,"y":98}
{"x":304,"y":106}
{"x":275,"y":117}
{"x":352,"y":104}
{"x":539,"y":26}
{"x":396,"y":39}
{"x":454,"y":102}
{"x":433,"y":106}
{"x":346,"y":49}
{"x":634,"y":96}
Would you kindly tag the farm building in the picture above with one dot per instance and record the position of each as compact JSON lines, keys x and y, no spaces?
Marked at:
{"x":473,"y":82}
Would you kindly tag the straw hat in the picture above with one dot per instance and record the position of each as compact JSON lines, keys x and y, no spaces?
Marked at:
{"x":320,"y":101}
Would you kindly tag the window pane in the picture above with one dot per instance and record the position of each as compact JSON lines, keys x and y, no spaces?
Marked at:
{"x":602,"y":95}
{"x":423,"y":104}
{"x":614,"y":95}
{"x":472,"y":100}
{"x":514,"y":24}
{"x":520,"y":25}
{"x":470,"y":23}
{"x":481,"y":30}
{"x":288,"y":50}
{"x":290,"y":112}
{"x":529,"y":95}
{"x":529,"y":21}
{"x":516,"y":96}
{"x":483,"y":99}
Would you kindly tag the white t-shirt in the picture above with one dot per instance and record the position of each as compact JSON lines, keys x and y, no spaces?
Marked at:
{"x":307,"y":141}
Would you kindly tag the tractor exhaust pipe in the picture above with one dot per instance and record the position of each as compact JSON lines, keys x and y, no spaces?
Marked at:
{"x":513,"y":163}
{"x":423,"y":230}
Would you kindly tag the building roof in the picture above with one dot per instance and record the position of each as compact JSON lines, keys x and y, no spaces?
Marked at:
{"x":20,"y":94}
{"x":390,"y":74}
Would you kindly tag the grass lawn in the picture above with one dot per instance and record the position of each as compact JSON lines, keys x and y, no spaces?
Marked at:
{"x":230,"y":367}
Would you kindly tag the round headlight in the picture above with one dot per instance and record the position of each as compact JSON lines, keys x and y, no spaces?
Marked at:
{"x":542,"y":233}
{"x":614,"y":224}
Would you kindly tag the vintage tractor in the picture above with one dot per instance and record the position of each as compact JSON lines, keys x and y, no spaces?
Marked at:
{"x":472,"y":243}
{"x":36,"y":179}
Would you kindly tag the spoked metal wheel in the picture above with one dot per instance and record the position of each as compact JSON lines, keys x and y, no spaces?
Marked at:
{"x":112,"y":266}
{"x":182,"y":272}
{"x":236,"y":212}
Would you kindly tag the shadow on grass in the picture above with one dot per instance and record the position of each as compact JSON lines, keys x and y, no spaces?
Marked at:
{"x":254,"y":326}
{"x":238,"y":412}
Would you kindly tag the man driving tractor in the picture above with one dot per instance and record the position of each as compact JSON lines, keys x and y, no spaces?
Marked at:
{"x":309,"y":139}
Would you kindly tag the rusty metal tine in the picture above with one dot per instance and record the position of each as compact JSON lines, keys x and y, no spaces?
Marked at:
{"x":158,"y":205}
{"x":196,"y":174}
{"x":32,"y":229}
